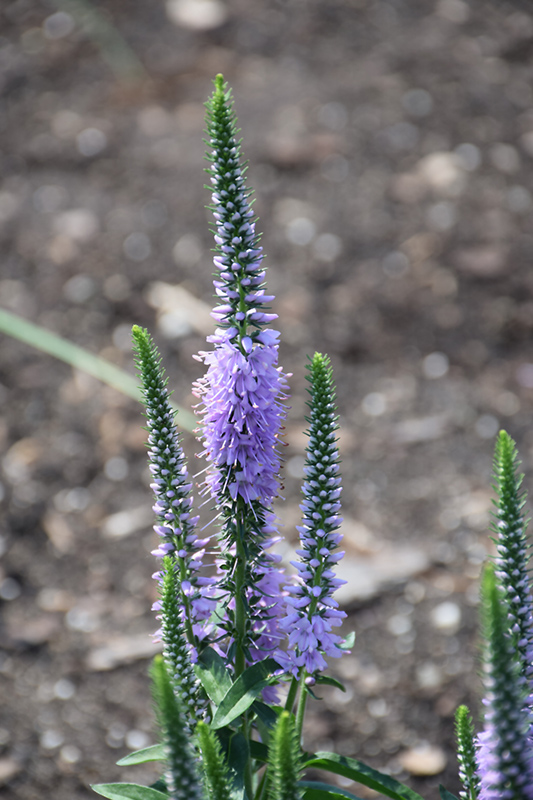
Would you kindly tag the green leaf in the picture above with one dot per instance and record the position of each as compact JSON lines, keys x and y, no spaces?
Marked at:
{"x":212,"y":673}
{"x":361,"y":773}
{"x":128,"y":791}
{"x":243,"y":692}
{"x":328,"y":681}
{"x":315,"y":790}
{"x":266,"y":714}
{"x":48,"y":342}
{"x":259,"y":751}
{"x":155,"y":752}
{"x":445,"y":794}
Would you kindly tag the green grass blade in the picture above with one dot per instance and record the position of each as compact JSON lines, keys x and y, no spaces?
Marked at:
{"x":54,"y":345}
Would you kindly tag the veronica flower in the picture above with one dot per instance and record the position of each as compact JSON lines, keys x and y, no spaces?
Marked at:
{"x":243,"y":389}
{"x":175,"y":524}
{"x":242,"y":396}
{"x":311,"y":610}
{"x":505,"y":755}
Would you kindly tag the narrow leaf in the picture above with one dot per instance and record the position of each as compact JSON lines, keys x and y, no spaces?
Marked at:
{"x":259,"y":751}
{"x":212,"y":673}
{"x":266,"y":714}
{"x":327,"y":680}
{"x":127,"y":791}
{"x":315,"y":790}
{"x":361,"y":773}
{"x":243,"y":692}
{"x":155,"y":752}
{"x":445,"y":794}
{"x":42,"y":339}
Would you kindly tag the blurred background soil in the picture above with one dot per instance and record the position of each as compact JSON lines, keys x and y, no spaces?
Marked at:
{"x":391,"y":150}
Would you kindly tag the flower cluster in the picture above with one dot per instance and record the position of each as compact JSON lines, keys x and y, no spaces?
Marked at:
{"x":312,"y":611}
{"x":243,"y":390}
{"x":229,"y":641}
{"x":175,"y":524}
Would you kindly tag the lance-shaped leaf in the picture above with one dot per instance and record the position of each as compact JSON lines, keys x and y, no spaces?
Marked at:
{"x":127,"y":791}
{"x":361,"y":773}
{"x":212,"y":673}
{"x":315,"y":790}
{"x":244,"y":691}
{"x":156,"y":752}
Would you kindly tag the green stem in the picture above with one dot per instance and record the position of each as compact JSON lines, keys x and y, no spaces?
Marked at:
{"x":240,"y":605}
{"x":291,"y":697}
{"x":301,"y":707}
{"x":261,"y":785}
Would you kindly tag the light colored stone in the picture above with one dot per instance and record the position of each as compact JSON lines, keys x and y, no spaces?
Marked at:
{"x":446,"y":617}
{"x":425,"y":759}
{"x":444,"y":173}
{"x":197,"y":15}
{"x":485,"y":261}
{"x":421,"y":429}
{"x":79,"y":224}
{"x":367,"y":576}
{"x":9,"y":768}
{"x":124,"y":523}
{"x":121,"y":650}
{"x":179,"y":312}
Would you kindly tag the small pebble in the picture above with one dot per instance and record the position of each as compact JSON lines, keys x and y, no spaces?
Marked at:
{"x":70,"y":754}
{"x":435,"y":365}
{"x":51,"y":739}
{"x":374,"y":404}
{"x":79,"y":224}
{"x":446,"y":617}
{"x":136,"y":739}
{"x":197,"y":15}
{"x":423,"y":760}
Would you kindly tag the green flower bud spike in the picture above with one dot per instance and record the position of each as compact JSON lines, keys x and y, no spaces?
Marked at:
{"x":466,"y":754}
{"x":182,"y":777}
{"x":216,"y":771}
{"x":284,"y":760}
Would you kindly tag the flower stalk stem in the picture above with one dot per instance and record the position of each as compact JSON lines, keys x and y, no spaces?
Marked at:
{"x":302,"y":700}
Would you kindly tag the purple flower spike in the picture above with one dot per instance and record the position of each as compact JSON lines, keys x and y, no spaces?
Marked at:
{"x":243,"y":390}
{"x":171,"y":486}
{"x":242,"y":414}
{"x":311,"y":611}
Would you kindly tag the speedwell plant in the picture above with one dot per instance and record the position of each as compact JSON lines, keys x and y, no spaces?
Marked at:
{"x":243,"y":642}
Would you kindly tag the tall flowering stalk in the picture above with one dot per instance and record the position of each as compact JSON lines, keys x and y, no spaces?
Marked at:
{"x":175,"y":524}
{"x":229,"y":641}
{"x":311,"y":610}
{"x":505,"y":755}
{"x":242,"y":397}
